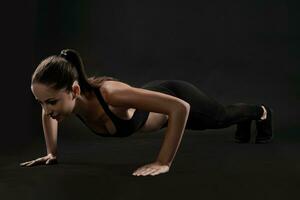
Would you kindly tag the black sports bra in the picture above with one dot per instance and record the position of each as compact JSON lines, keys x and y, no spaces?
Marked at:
{"x":124,"y":127}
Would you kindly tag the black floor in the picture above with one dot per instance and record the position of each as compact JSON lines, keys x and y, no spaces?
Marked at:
{"x":208,"y":165}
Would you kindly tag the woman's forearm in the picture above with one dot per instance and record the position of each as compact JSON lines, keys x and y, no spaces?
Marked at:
{"x":174,"y":132}
{"x":50,"y":133}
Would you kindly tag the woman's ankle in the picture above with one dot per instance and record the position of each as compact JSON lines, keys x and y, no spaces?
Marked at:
{"x":264,"y":116}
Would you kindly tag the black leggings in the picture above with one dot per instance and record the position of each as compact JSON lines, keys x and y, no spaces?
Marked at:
{"x":206,"y":112}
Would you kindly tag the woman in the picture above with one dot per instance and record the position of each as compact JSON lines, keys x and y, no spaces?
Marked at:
{"x":112,"y":108}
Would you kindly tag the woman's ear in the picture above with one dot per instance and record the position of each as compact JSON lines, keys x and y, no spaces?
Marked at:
{"x":75,"y":89}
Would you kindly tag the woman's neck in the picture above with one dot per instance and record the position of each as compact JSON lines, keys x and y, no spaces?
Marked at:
{"x":82,"y":105}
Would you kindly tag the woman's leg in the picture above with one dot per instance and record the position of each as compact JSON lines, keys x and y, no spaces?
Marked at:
{"x":207,"y":113}
{"x":239,"y":113}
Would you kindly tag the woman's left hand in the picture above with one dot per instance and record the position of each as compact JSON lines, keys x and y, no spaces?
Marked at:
{"x":152,"y":169}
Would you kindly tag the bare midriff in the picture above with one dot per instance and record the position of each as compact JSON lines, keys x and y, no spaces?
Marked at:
{"x":153,"y":123}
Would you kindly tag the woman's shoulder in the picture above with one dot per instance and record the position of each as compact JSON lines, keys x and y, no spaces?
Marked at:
{"x":109,"y":85}
{"x":99,"y":81}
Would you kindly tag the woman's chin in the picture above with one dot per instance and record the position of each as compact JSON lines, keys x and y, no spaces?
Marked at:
{"x":59,"y":118}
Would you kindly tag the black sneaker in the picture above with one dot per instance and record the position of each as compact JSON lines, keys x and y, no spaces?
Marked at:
{"x":264,"y":128}
{"x":243,"y":132}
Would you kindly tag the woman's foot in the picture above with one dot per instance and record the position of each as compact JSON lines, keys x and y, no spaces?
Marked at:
{"x":264,"y":126}
{"x":243,"y":132}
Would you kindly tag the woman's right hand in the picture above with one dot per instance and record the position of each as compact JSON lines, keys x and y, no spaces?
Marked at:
{"x":46,"y":160}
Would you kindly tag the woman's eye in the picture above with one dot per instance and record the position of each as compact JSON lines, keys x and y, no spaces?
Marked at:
{"x":53,"y":102}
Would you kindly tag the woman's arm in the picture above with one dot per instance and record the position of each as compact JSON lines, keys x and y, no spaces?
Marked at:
{"x":119,"y":94}
{"x":176,"y":126}
{"x":171,"y":142}
{"x":50,"y":134}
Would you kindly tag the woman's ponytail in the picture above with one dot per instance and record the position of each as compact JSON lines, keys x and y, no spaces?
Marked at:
{"x":60,"y":72}
{"x":74,"y":58}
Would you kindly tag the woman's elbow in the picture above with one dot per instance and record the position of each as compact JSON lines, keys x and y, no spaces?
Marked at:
{"x":183,"y":107}
{"x":187,"y":106}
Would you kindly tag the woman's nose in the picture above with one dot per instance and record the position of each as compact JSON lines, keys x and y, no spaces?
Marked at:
{"x":48,"y":111}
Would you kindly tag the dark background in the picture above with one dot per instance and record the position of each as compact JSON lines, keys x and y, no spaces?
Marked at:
{"x":235,"y":51}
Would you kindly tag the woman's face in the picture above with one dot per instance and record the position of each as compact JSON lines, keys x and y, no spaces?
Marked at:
{"x":56,"y":103}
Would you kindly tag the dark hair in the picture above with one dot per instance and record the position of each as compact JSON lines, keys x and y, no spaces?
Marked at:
{"x":60,"y":71}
